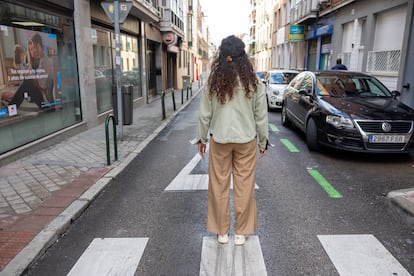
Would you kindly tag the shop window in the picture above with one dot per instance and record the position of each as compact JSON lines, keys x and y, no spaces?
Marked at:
{"x":104,"y":60}
{"x":38,"y":76}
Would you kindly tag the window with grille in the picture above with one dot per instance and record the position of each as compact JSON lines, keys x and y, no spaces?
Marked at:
{"x":384,"y":61}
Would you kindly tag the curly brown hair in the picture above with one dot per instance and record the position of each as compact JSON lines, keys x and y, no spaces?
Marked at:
{"x":230,"y":65}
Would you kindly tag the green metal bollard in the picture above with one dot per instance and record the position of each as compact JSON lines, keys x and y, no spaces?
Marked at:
{"x":108,"y":153}
{"x":182,"y":96}
{"x":173,"y":99}
{"x":163,"y":105}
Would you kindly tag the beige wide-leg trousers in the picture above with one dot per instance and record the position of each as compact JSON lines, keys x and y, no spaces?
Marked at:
{"x":239,"y":160}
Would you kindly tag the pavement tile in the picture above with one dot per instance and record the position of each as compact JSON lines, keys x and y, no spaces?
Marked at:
{"x":21,"y":208}
{"x":7,"y":220}
{"x":72,"y":191}
{"x":11,"y":242}
{"x":48,"y":211}
{"x":33,"y":223}
{"x":6,"y":210}
{"x":58,"y":201}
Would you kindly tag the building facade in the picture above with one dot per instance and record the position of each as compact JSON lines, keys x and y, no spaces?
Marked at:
{"x":263,"y":33}
{"x":369,"y":36}
{"x":69,"y":84}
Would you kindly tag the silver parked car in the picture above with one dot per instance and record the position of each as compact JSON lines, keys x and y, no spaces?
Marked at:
{"x":276,"y":81}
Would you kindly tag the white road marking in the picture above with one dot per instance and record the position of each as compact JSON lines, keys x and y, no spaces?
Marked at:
{"x":228,"y":259}
{"x":110,"y":256}
{"x":360,"y":255}
{"x":185,"y":181}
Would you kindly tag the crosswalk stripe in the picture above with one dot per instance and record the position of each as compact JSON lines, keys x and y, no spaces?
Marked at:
{"x":110,"y":256}
{"x":185,"y":181}
{"x":360,"y":255}
{"x":228,"y":259}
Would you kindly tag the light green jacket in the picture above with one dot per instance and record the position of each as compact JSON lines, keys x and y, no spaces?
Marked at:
{"x":237,"y":121}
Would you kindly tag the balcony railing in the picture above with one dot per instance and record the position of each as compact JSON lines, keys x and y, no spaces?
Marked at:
{"x":171,"y":21}
{"x":304,"y":9}
{"x":384,"y":61}
{"x":150,"y":4}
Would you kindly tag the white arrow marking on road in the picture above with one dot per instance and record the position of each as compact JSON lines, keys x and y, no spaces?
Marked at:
{"x":110,"y":256}
{"x":187,"y":181}
{"x":361,"y":255}
{"x":228,"y":259}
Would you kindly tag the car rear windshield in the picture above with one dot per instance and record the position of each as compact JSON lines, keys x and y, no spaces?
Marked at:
{"x":261,"y":75}
{"x":281,"y":78}
{"x":351,"y":86}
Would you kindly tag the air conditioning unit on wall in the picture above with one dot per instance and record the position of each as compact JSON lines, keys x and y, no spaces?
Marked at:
{"x":324,"y":2}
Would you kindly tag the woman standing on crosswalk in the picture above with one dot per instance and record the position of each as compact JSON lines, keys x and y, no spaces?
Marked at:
{"x":233,"y":110}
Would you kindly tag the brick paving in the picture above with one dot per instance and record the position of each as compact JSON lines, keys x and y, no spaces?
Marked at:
{"x":18,"y":229}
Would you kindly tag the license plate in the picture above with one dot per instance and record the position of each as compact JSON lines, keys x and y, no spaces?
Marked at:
{"x":386,"y":138}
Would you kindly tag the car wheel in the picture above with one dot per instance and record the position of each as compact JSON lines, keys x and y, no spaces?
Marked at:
{"x":312,"y":135}
{"x":285,"y":120}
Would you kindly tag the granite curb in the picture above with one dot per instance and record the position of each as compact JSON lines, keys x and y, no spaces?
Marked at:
{"x":403,"y":201}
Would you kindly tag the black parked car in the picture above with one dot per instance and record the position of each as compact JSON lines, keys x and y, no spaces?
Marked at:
{"x":349,"y":111}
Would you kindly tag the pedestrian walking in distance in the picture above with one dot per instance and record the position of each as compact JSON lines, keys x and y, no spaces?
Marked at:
{"x":233,"y":119}
{"x":339,"y":65}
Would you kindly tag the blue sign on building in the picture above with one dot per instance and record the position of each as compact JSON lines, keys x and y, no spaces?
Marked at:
{"x":297,"y":33}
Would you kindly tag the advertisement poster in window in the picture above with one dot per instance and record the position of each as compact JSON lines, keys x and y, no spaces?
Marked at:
{"x":30,"y":78}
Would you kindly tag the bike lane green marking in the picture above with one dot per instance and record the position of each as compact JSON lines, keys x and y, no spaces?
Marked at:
{"x":291,"y":147}
{"x":273,"y":128}
{"x":329,"y":189}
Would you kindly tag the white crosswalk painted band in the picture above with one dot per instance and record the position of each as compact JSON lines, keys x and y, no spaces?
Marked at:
{"x":110,"y":256}
{"x":184,"y":181}
{"x":361,"y":255}
{"x":228,"y":259}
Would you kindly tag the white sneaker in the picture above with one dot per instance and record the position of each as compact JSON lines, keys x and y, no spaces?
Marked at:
{"x":239,"y":239}
{"x":223,"y":238}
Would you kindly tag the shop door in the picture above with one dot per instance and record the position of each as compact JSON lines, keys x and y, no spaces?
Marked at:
{"x":325,"y":53}
{"x":152,"y":71}
{"x":171,"y":72}
{"x":312,"y":55}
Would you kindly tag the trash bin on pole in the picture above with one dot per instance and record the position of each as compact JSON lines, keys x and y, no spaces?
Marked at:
{"x":186,"y":82}
{"x":127,"y":104}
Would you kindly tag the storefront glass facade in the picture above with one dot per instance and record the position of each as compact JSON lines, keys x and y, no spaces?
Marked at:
{"x":104,"y":59}
{"x":38,"y":75}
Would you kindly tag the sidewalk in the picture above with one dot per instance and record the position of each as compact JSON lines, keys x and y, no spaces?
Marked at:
{"x":41,"y":194}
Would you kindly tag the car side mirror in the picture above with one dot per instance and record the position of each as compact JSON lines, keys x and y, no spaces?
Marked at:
{"x":395,"y":93}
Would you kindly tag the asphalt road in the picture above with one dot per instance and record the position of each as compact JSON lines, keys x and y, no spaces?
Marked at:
{"x":302,"y":198}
